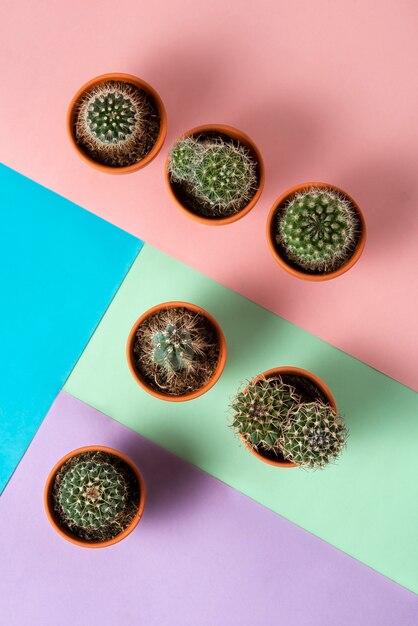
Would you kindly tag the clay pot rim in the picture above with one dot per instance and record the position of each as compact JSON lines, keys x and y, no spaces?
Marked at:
{"x":245,"y":140}
{"x":221,"y":361}
{"x":70,"y":536}
{"x":290,"y":371}
{"x":144,"y":86}
{"x":282,"y":261}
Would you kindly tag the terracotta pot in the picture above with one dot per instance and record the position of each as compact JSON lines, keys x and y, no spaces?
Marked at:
{"x":141,"y":84}
{"x":281,"y":259}
{"x":52,"y":517}
{"x":289,"y":371}
{"x":143,"y":383}
{"x":243,"y":139}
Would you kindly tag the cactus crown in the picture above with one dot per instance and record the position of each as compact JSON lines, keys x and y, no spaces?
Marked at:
{"x":173,"y":348}
{"x":92,"y":494}
{"x":313,"y":436}
{"x":220,"y":175}
{"x":317,"y":229}
{"x":260,"y":410}
{"x":110,"y":121}
{"x":271,"y":415}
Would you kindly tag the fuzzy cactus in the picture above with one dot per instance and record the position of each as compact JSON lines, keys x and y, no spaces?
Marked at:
{"x":183,"y":156}
{"x":317,"y":229}
{"x":313,"y":435}
{"x":91,"y":495}
{"x":109,"y":121}
{"x":260,"y":410}
{"x":221,"y":176}
{"x":173,"y":348}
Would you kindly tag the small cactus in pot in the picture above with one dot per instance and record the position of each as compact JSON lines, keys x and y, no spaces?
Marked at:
{"x":213,"y":175}
{"x":275,"y":417}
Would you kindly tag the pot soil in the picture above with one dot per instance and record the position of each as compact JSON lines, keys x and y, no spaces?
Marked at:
{"x":207,"y":364}
{"x":144,"y":148}
{"x":182,"y":192}
{"x":279,"y":253}
{"x":127,"y":518}
{"x":310,"y":388}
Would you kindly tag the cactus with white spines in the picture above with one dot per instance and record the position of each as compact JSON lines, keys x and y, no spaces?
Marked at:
{"x":317,"y":229}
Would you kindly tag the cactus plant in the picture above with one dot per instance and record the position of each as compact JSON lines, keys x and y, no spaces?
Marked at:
{"x":110,"y":122}
{"x":221,"y":176}
{"x":317,"y":229}
{"x":91,"y":495}
{"x":271,"y":415}
{"x":173,"y":348}
{"x":259,"y":411}
{"x":313,"y":435}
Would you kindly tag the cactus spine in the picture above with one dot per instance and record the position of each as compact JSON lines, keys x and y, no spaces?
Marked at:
{"x":317,"y":229}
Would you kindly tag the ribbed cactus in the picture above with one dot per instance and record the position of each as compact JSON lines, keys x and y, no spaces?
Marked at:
{"x":260,"y":410}
{"x":317,"y":229}
{"x":91,"y":495}
{"x":221,"y":175}
{"x":313,"y":435}
{"x":173,"y":348}
{"x":109,"y":121}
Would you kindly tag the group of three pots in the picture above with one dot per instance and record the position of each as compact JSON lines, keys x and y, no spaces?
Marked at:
{"x":80,"y":453}
{"x":238,"y":137}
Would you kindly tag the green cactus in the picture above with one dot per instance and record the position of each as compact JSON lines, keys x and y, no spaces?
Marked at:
{"x":225,"y":176}
{"x":91,"y":495}
{"x":317,"y":229}
{"x":110,"y":121}
{"x":173,"y":348}
{"x":313,"y":435}
{"x":183,"y":156}
{"x":221,"y":176}
{"x":260,"y":410}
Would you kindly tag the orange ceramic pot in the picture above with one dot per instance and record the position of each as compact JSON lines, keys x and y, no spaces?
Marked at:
{"x":289,"y":371}
{"x":51,"y":515}
{"x":281,"y":259}
{"x":143,"y":383}
{"x":141,"y":84}
{"x":244,"y":140}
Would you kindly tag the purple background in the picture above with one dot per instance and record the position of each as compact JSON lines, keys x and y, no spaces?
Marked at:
{"x":203,"y":554}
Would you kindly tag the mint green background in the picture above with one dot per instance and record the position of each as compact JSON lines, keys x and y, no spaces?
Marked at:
{"x":366,"y":504}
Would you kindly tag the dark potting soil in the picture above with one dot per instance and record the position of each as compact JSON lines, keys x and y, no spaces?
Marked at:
{"x":182,"y":383}
{"x":282,"y":250}
{"x":123,"y":519}
{"x":145,"y":143}
{"x":308,"y":392}
{"x":185,"y":194}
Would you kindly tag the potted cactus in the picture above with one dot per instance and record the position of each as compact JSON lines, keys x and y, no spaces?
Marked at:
{"x":94,"y":496}
{"x":287,"y":417}
{"x":176,"y":351}
{"x":316,"y":231}
{"x":117,"y":123}
{"x":215,"y":174}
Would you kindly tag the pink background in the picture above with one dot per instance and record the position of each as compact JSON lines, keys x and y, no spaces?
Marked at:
{"x":326,"y":89}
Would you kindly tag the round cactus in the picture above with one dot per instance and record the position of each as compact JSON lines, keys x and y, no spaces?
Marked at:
{"x":313,"y":435}
{"x":183,"y":157}
{"x":260,"y":410}
{"x":109,"y":121}
{"x":224,"y":176}
{"x":317,"y":229}
{"x":173,"y":348}
{"x":91,"y":495}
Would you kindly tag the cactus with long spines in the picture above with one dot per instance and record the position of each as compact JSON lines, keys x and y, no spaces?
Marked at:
{"x":260,"y":410}
{"x":313,"y":435}
{"x":109,"y":121}
{"x":317,"y":229}
{"x":173,"y":348}
{"x":221,"y":175}
{"x":91,"y":495}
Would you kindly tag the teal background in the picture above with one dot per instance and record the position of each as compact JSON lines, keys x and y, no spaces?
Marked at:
{"x":60,"y":267}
